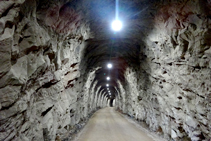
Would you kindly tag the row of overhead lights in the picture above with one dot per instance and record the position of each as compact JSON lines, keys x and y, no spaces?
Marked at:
{"x":116,"y":26}
{"x":109,"y":66}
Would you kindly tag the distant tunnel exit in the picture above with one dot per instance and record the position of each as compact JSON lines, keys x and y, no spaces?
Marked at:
{"x":111,"y":102}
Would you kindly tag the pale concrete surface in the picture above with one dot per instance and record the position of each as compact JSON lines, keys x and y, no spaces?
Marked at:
{"x":108,"y":125}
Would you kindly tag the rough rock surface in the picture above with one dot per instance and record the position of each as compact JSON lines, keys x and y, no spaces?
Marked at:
{"x":42,"y":92}
{"x":53,"y":58}
{"x":170,"y":90}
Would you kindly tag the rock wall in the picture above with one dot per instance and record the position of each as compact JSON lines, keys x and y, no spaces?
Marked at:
{"x":170,"y":90}
{"x":47,"y":90}
{"x":43,"y":94}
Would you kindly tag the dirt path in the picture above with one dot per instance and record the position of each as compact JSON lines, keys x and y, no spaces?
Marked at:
{"x":108,"y":125}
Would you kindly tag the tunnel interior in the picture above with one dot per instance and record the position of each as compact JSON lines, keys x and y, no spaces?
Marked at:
{"x":54,"y":57}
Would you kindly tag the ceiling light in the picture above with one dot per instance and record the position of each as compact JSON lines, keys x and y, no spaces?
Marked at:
{"x":108,"y":78}
{"x":116,"y":25}
{"x":107,"y":85}
{"x":109,"y":65}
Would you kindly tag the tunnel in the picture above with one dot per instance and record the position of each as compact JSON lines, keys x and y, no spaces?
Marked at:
{"x":61,"y":61}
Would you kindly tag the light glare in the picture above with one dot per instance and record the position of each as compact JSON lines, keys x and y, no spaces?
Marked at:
{"x":109,"y":65}
{"x":116,"y":25}
{"x":108,"y":78}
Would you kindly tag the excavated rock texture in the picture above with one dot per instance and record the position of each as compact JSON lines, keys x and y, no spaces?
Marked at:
{"x":43,"y":95}
{"x":171,"y":89}
{"x":48,"y":89}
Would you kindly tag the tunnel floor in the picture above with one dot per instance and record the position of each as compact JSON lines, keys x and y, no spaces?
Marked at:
{"x":109,"y":125}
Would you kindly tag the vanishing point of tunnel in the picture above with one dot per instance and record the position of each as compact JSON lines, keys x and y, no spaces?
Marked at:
{"x":62,"y":65}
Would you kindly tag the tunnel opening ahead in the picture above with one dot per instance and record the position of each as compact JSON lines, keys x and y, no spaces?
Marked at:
{"x":111,"y":102}
{"x":54,"y":57}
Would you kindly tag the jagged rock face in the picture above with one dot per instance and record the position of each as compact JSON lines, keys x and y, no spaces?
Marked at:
{"x":42,"y":91}
{"x":53,"y":66}
{"x":170,"y":90}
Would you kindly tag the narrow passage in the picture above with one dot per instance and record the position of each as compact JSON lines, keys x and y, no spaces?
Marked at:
{"x":108,"y":125}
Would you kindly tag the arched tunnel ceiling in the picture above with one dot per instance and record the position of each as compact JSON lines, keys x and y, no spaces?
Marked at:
{"x":132,"y":13}
{"x":54,"y":56}
{"x":122,"y":49}
{"x":121,"y":52}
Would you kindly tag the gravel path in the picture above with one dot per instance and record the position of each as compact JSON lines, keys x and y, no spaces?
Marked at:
{"x":109,"y":125}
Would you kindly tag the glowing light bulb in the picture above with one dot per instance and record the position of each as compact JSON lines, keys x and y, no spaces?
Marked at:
{"x":108,"y":78}
{"x":109,"y":65}
{"x":116,"y":25}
